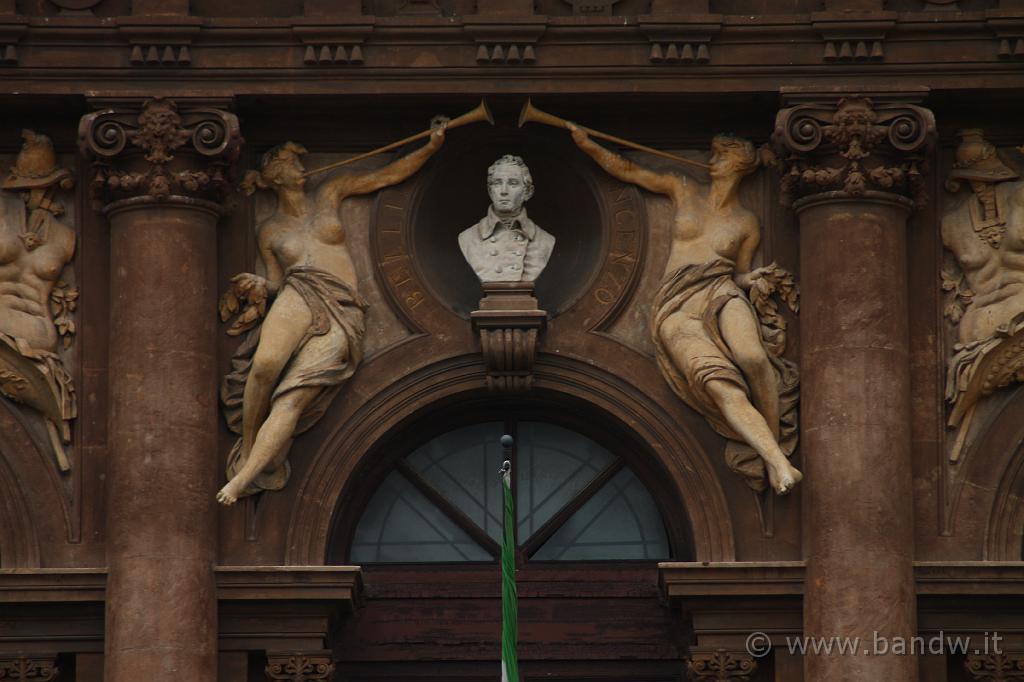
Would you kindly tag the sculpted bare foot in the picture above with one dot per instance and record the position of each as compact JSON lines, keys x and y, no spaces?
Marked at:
{"x":228,"y":495}
{"x":783,"y":476}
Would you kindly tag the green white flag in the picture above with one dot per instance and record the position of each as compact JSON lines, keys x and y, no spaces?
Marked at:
{"x":509,"y":598}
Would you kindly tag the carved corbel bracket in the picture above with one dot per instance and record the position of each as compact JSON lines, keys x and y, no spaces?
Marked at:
{"x":1008,"y":27}
{"x":680,"y":40}
{"x":155,"y":43}
{"x":294,"y":666}
{"x":37,"y":668}
{"x":12,"y":28}
{"x":995,"y":667}
{"x":502,"y":41}
{"x":160,"y":152}
{"x":853,"y":146}
{"x":509,"y":324}
{"x":339,"y":44}
{"x":851,"y":40}
{"x":720,"y":665}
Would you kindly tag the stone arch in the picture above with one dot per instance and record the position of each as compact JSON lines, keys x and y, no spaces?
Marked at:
{"x":987,"y":505}
{"x":331,"y":475}
{"x":33,"y":503}
{"x":1001,"y":456}
{"x":1003,"y":537}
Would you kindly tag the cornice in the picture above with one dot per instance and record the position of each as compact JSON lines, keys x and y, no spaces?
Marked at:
{"x":741,"y":29}
{"x":342,"y":585}
{"x":699,"y":580}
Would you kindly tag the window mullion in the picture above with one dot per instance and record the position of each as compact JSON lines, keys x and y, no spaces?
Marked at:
{"x":478,"y":534}
{"x":544,"y":533}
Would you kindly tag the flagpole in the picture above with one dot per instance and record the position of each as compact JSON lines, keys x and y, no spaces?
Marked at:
{"x":509,"y":598}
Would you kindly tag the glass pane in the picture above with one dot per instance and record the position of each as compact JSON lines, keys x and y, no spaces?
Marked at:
{"x":554,"y":464}
{"x":463,"y":466}
{"x":400,"y":525}
{"x":620,"y":522}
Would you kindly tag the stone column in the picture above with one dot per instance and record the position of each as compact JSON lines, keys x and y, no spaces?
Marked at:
{"x":852,"y":174}
{"x":159,"y":175}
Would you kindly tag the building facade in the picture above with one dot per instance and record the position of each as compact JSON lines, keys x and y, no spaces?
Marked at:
{"x":743,"y":280}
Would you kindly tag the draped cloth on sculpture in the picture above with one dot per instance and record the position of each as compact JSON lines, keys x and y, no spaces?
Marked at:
{"x":980,"y":367}
{"x":39,"y":379}
{"x":699,"y":292}
{"x":327,"y":356}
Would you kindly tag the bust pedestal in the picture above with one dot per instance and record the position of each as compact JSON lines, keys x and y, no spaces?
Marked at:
{"x":508,"y":323}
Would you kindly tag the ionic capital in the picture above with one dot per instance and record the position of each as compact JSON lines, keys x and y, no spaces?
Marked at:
{"x":852,"y":147}
{"x":160,"y":152}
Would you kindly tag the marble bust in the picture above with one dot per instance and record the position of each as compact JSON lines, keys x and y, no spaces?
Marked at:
{"x":506,"y":246}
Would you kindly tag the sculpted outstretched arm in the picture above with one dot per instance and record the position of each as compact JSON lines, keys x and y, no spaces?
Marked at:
{"x":626,"y":170}
{"x":395,"y":172}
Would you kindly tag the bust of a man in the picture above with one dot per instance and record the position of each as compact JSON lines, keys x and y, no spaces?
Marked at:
{"x":506,"y":246}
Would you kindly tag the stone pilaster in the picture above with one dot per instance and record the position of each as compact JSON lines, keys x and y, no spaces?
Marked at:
{"x":852,"y":172}
{"x":160,"y":172}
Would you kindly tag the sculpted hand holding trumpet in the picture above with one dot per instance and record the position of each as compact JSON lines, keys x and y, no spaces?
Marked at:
{"x":717,"y":333}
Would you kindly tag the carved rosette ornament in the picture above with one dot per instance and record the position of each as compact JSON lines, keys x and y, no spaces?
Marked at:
{"x":995,"y":667}
{"x":22,"y":668}
{"x":853,"y":147}
{"x":160,"y":153}
{"x":720,"y":666}
{"x":299,"y":667}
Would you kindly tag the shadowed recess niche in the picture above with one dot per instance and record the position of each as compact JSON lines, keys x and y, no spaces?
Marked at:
{"x":453,"y":196}
{"x":438,"y":500}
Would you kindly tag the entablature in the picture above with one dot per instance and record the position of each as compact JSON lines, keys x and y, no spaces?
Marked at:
{"x":657,"y":52}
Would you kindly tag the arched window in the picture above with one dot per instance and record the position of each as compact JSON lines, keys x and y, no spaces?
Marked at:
{"x":576,"y":500}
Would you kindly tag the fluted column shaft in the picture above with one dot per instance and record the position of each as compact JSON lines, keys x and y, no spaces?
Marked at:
{"x":156,"y":172}
{"x":852,"y":164}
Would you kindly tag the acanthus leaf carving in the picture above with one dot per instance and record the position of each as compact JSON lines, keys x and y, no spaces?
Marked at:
{"x":24,"y":668}
{"x":995,"y":667}
{"x":720,"y":666}
{"x":299,"y":667}
{"x":853,"y":146}
{"x":160,"y":151}
{"x":63,"y":302}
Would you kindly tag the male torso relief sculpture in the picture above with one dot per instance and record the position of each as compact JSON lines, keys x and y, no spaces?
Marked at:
{"x":985,"y":234}
{"x":309,"y":342}
{"x":35,"y":304}
{"x":506,"y":246}
{"x":718,"y":346}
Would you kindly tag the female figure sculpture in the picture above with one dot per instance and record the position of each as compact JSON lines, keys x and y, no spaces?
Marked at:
{"x":718,"y":349}
{"x":286,"y":372}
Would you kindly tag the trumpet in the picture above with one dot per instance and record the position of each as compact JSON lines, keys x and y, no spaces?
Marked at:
{"x":531,"y":113}
{"x":480,"y":113}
